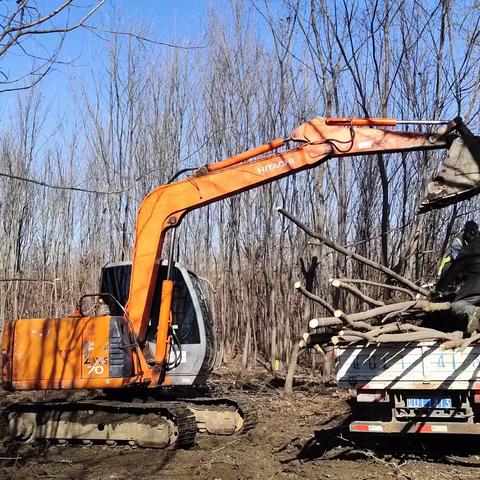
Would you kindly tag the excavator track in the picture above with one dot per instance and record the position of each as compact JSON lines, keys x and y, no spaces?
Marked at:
{"x":214,"y":415}
{"x":156,"y":424}
{"x":222,"y":416}
{"x":138,"y":422}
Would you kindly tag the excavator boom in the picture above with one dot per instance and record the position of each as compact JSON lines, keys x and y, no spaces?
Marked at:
{"x":164,"y":207}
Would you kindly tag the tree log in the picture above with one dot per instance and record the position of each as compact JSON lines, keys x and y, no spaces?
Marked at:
{"x":324,"y":322}
{"x":356,"y":256}
{"x":353,"y":333}
{"x":461,"y":344}
{"x":373,"y":334}
{"x":451,"y":344}
{"x":399,"y":327}
{"x":467,"y":342}
{"x":398,"y":337}
{"x":417,"y":336}
{"x":409,"y":306}
{"x":345,"y":319}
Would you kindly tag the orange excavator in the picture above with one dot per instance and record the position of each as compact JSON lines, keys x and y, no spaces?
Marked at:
{"x":148,"y":342}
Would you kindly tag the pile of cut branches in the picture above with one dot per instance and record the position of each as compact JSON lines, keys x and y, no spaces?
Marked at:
{"x":381,"y":322}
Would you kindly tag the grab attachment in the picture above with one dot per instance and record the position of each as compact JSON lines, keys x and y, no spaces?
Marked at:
{"x":459,"y":175}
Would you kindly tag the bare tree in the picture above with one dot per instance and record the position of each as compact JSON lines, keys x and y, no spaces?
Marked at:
{"x":24,"y":25}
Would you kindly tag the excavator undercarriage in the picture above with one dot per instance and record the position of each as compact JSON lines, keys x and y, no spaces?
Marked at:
{"x":139,"y":422}
{"x":161,"y":417}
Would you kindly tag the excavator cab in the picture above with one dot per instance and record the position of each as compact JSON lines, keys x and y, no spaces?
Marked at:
{"x":192,"y":352}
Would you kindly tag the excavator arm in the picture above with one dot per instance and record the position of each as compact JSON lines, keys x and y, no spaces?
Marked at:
{"x":164,"y":208}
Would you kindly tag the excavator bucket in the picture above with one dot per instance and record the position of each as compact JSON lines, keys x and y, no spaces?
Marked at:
{"x":459,"y":176}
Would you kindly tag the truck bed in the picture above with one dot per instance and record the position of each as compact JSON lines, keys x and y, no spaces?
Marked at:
{"x":407,"y":366}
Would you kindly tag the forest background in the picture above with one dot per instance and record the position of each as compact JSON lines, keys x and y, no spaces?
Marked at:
{"x":141,"y":109}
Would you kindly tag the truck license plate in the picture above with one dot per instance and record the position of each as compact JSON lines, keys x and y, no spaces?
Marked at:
{"x":429,"y":402}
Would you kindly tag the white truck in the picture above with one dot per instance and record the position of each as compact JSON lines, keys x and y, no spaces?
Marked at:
{"x":412,"y":388}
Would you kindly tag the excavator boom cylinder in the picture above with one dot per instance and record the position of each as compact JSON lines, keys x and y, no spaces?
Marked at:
{"x":242,"y":157}
{"x":164,"y":323}
{"x":361,"y":122}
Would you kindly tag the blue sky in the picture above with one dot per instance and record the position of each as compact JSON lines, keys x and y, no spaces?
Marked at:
{"x":171,"y":21}
{"x":169,"y":15}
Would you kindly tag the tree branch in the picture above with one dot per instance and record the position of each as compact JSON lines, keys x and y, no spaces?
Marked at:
{"x":345,"y":319}
{"x":141,"y":38}
{"x":379,"y":284}
{"x":298,"y":286}
{"x":355,"y":256}
{"x":337,"y":283}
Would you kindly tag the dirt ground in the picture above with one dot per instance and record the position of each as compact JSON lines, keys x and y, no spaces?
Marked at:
{"x":304,"y":436}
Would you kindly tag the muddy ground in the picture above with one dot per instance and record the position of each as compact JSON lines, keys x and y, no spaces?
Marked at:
{"x":298,"y":437}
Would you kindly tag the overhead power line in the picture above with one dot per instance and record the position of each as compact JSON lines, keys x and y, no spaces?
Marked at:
{"x":75,"y":188}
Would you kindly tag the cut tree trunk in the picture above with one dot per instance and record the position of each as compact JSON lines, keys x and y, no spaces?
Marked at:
{"x":397,"y":337}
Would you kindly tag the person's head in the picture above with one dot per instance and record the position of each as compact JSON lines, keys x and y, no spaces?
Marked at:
{"x":470,"y":231}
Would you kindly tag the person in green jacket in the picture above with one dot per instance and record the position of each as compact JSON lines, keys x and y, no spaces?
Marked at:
{"x":469,"y":232}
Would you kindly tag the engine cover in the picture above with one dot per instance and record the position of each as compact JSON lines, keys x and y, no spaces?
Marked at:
{"x":66,"y":353}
